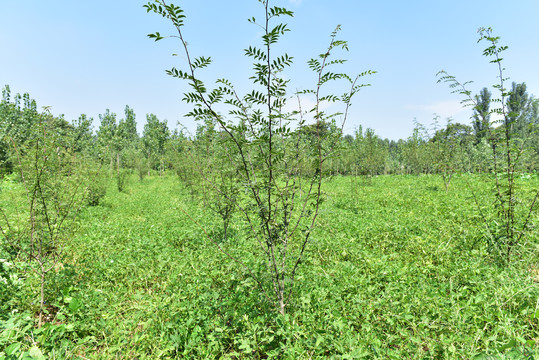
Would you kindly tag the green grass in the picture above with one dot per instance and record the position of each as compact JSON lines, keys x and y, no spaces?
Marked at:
{"x":396,"y":269}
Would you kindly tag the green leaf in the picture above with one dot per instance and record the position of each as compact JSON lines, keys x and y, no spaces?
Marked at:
{"x":511,"y":344}
{"x":36,"y":353}
{"x":13,"y":348}
{"x":155,"y":36}
{"x":75,"y":305}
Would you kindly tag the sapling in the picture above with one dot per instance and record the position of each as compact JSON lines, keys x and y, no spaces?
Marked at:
{"x":447,"y":147}
{"x":512,"y":215}
{"x":54,"y":191}
{"x":277,"y":155}
{"x":221,"y":190}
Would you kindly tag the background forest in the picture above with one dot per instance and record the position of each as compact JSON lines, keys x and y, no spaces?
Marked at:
{"x":436,"y":148}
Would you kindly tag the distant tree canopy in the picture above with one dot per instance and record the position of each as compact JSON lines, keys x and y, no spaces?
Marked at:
{"x":523,"y":110}
{"x":481,"y":116}
{"x":456,"y":133}
{"x":116,"y":142}
{"x":312,"y":131}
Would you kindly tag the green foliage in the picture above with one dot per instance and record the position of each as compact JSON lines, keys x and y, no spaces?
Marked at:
{"x":221,"y":192}
{"x":154,"y":140}
{"x":522,"y":110}
{"x":83,"y":138}
{"x":395,"y":270}
{"x":106,"y":137}
{"x":117,"y":141}
{"x":54,"y":187}
{"x":122,"y":177}
{"x":481,"y":115}
{"x":97,"y":187}
{"x":369,"y":153}
{"x":139,"y":163}
{"x":416,"y":153}
{"x":127,"y":129}
{"x":140,"y":281}
{"x":18,"y":120}
{"x":512,"y":213}
{"x":450,"y":148}
{"x":268,"y":150}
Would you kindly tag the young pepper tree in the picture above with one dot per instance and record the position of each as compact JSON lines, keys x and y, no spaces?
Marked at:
{"x":268,"y":146}
{"x":512,"y":214}
{"x":56,"y":184}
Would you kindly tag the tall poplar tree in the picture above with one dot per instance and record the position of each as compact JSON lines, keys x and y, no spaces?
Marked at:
{"x":481,"y":116}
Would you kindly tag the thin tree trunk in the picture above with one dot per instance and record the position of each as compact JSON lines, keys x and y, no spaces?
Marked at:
{"x":42,"y":297}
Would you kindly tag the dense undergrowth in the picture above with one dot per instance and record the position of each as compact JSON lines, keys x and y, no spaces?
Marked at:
{"x":397,"y":269}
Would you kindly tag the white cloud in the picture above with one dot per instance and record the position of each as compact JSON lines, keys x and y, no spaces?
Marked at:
{"x":307,"y":104}
{"x":444,"y":109}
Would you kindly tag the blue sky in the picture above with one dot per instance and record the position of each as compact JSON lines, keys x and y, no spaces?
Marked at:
{"x":87,"y":56}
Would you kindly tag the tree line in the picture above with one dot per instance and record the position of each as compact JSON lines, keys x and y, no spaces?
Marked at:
{"x":115,"y":142}
{"x":451,"y":147}
{"x":434,"y":149}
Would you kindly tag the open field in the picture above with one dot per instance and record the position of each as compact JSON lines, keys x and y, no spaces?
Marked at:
{"x":396,"y":269}
{"x":271,"y":221}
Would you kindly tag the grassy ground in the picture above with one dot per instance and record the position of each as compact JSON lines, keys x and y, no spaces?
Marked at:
{"x":397,"y":268}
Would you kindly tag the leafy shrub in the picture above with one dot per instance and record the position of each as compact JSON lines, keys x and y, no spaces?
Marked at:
{"x":122,"y":177}
{"x":97,"y":190}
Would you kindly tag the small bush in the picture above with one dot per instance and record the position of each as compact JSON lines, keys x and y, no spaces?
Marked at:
{"x":122,"y":177}
{"x":97,"y":190}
